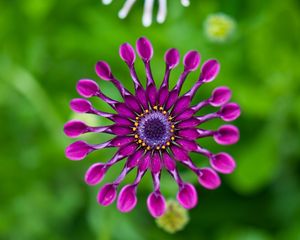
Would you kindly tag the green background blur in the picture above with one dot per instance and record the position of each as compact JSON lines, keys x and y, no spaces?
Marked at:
{"x":47,"y":45}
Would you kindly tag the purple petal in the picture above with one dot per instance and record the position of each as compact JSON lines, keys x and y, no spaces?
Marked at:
{"x":128,"y":149}
{"x":127,"y":198}
{"x":230,"y":112}
{"x":121,"y":141}
{"x":173,"y":95}
{"x":124,"y":111}
{"x":145,"y":162}
{"x":95,"y":173}
{"x":227,"y":134}
{"x":144,"y":49}
{"x":220,"y":96}
{"x":188,"y":145}
{"x":189,"y":133}
{"x":119,"y":130}
{"x":181,"y":104}
{"x":127,"y":53}
{"x":223,"y":163}
{"x":156,"y":164}
{"x":121,"y":121}
{"x":188,"y":113}
{"x":192,"y":122}
{"x":210,"y":70}
{"x":87,"y":88}
{"x":78,"y":150}
{"x":141,"y":96}
{"x":169,"y":162}
{"x":80,"y":105}
{"x":103,"y":70}
{"x":172,"y":58}
{"x":107,"y":194}
{"x":151,"y":94}
{"x":191,"y":61}
{"x":132,"y":103}
{"x":209,"y":179}
{"x":134,"y":159}
{"x":74,"y":128}
{"x":179,"y":153}
{"x":162,"y":95}
{"x":156,"y":204}
{"x":187,"y":196}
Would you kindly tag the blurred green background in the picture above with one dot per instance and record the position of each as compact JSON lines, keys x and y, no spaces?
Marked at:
{"x":47,"y":45}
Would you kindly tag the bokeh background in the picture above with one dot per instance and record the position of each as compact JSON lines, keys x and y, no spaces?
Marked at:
{"x":47,"y":45}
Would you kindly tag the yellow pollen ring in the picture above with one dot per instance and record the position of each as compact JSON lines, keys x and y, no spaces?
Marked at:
{"x":172,"y":138}
{"x":134,"y":129}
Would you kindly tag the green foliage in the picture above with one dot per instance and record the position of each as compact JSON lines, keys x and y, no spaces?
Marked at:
{"x":46,"y":46}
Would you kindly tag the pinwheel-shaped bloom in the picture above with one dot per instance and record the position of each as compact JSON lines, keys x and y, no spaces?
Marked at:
{"x":155,"y":129}
{"x":148,"y":9}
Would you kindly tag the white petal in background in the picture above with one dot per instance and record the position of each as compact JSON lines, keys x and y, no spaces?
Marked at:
{"x":148,"y":10}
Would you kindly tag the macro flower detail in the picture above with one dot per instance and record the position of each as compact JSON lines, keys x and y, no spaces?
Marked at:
{"x":155,"y":128}
{"x":148,"y":9}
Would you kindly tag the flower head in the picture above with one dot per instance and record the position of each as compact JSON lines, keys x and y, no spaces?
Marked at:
{"x":219,"y":27}
{"x":154,"y":129}
{"x":148,"y":9}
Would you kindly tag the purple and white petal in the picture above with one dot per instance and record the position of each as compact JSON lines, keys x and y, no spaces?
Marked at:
{"x":95,"y":173}
{"x":187,"y":196}
{"x":209,"y":179}
{"x":127,"y":198}
{"x":156,"y":204}
{"x":223,"y":163}
{"x":107,"y":194}
{"x":227,"y":134}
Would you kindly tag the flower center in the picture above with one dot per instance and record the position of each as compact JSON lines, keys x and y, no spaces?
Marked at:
{"x":154,"y":129}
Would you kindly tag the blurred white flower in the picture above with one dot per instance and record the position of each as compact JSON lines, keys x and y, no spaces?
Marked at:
{"x":148,"y":10}
{"x":219,"y":27}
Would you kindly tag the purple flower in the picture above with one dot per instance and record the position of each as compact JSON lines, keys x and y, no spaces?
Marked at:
{"x":155,"y":128}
